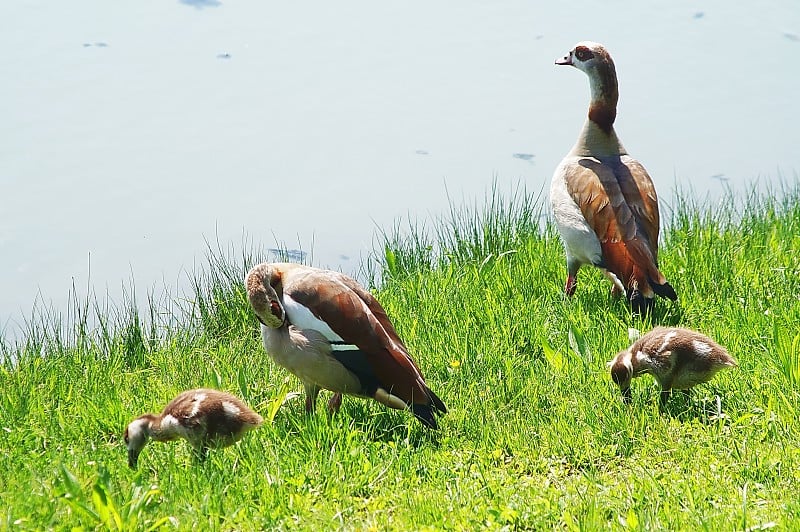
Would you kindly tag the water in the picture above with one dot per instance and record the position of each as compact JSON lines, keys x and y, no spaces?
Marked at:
{"x":132,"y":133}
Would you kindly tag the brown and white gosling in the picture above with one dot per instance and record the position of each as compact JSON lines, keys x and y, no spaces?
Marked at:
{"x":331,"y":333}
{"x":677,"y":358}
{"x":205,"y":418}
{"x":603,"y":200}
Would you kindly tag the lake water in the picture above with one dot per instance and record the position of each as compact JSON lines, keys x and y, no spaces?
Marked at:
{"x":132,"y":132}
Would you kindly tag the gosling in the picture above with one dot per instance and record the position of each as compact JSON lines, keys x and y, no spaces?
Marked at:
{"x":677,"y":358}
{"x":205,"y":418}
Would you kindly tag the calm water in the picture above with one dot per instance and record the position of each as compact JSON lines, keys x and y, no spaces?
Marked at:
{"x":133,"y":132}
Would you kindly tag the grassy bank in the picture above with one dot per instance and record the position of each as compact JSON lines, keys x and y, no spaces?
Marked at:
{"x":536,"y":436}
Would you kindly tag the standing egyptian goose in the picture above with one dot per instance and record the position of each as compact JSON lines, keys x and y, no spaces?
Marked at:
{"x":205,"y":418}
{"x":677,"y":358}
{"x":603,"y":200}
{"x":332,"y":334}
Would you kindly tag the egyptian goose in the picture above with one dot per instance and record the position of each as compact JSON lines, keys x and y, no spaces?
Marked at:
{"x":205,"y":418}
{"x":603,"y":200}
{"x":677,"y":358}
{"x":332,"y":334}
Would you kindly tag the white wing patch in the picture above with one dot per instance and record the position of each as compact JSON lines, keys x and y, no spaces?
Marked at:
{"x":343,"y":347}
{"x":366,"y":310}
{"x":701,"y":347}
{"x":197,"y":400}
{"x":640,"y":357}
{"x":302,"y":318}
{"x":230,"y":409}
{"x":667,"y":339}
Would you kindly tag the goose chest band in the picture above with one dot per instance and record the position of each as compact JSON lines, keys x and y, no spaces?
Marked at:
{"x":334,"y":335}
{"x":603,"y":200}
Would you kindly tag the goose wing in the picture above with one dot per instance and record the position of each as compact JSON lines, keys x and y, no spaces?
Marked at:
{"x":619,"y":202}
{"x":349,"y":311}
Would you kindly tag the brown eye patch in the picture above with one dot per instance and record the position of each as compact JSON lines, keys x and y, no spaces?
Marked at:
{"x":583,"y":53}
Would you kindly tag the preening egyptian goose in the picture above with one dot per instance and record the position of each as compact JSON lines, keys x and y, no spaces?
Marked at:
{"x":603,"y":200}
{"x":205,"y":418}
{"x":332,"y":334}
{"x":677,"y":358}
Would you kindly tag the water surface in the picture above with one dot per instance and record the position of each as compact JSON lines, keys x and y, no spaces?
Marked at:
{"x":134,"y":132}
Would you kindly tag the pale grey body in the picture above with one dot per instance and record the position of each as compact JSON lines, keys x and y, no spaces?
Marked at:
{"x":306,"y":353}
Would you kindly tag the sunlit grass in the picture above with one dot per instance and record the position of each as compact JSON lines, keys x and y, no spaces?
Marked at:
{"x":536,"y":436}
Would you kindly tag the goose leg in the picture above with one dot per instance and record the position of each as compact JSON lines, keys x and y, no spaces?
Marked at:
{"x":617,"y":289}
{"x":335,"y":403}
{"x":312,"y":391}
{"x":665,"y":395}
{"x":570,"y":285}
{"x":572,"y":277}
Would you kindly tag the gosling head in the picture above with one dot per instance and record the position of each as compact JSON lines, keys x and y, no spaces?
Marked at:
{"x":136,"y":435}
{"x":622,"y":372}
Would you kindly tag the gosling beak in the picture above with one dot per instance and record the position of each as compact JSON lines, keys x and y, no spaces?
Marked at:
{"x":133,"y":458}
{"x":627,"y":395}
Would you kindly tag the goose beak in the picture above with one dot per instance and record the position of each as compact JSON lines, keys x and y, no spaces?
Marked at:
{"x":277,"y":310}
{"x":566,"y":60}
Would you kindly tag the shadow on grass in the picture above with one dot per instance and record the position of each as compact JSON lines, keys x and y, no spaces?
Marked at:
{"x":357,"y":416}
{"x":684,"y":405}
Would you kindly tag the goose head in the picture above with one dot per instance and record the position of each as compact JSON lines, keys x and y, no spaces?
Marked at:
{"x":587,"y":56}
{"x":264,"y":289}
{"x":594,"y":60}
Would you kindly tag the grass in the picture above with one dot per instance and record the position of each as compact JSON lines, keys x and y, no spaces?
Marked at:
{"x":536,"y":437}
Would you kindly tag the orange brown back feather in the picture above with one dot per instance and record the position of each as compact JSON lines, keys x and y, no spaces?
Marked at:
{"x":619,"y":202}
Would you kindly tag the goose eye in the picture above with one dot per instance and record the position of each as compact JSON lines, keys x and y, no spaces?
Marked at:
{"x":583,"y":53}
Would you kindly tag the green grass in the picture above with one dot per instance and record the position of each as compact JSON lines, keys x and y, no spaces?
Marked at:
{"x":536,"y":436}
